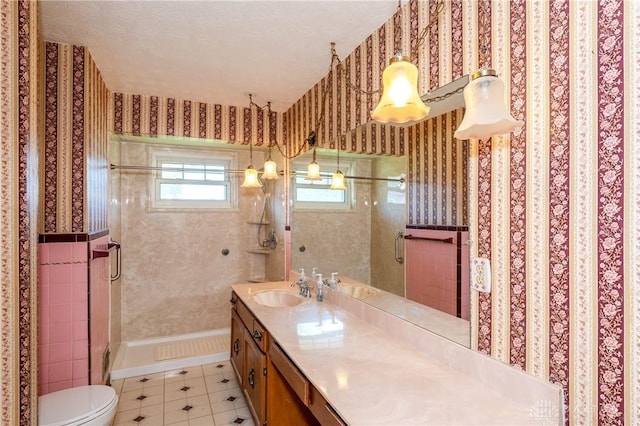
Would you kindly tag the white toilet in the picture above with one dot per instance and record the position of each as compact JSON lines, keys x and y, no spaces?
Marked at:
{"x":93,"y":405}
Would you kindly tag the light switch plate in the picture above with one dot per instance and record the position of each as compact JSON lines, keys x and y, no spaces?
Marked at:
{"x":481,"y":274}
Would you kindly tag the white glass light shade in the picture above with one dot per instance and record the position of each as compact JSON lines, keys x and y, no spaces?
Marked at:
{"x":313,"y":171}
{"x":485,"y":111}
{"x":251,"y":178}
{"x":270,"y":170}
{"x":400,"y":101}
{"x":337,"y":180}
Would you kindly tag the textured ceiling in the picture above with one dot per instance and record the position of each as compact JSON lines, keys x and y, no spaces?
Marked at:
{"x":214,"y":51}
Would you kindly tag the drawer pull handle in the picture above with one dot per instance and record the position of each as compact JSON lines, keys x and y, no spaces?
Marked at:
{"x":257,"y":335}
{"x":233,"y":301}
{"x":236,"y":346}
{"x":251,"y":377}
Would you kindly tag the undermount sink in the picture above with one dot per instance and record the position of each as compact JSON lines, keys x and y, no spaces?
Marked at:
{"x":277,"y":298}
{"x":359,"y":291}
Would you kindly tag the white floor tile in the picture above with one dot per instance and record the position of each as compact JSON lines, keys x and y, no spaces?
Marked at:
{"x":187,"y":388}
{"x":141,"y":398}
{"x":211,"y":393}
{"x":223,"y":367}
{"x":183,"y":374}
{"x":179,"y":411}
{"x":139,"y":382}
{"x":152,"y":415}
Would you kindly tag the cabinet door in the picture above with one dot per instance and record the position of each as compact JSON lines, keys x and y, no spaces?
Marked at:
{"x":288,"y":392}
{"x":254,"y":379}
{"x":237,"y":346}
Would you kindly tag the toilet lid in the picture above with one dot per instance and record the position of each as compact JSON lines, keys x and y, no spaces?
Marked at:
{"x":74,"y":404}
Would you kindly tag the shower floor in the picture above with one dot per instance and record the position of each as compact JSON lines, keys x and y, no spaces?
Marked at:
{"x":166,"y":353}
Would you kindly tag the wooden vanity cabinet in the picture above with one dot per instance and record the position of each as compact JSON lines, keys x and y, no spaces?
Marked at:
{"x":291,"y":399}
{"x":277,"y":392}
{"x":255,"y":381}
{"x":288,"y":391}
{"x":237,"y":346}
{"x":248,"y":357}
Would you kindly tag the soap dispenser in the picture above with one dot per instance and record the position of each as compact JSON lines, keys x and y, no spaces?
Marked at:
{"x":319,"y":284}
{"x":333,"y":283}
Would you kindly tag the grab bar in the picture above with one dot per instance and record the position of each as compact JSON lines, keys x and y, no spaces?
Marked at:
{"x":440,"y":240}
{"x":399,"y":237}
{"x":116,"y":245}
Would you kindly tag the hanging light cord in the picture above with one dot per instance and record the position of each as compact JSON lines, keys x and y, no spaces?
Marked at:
{"x":423,"y":34}
{"x":421,"y":39}
{"x":342,"y":69}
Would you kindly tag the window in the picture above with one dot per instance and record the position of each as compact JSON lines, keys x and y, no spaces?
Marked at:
{"x":192,"y":180}
{"x":316,"y":194}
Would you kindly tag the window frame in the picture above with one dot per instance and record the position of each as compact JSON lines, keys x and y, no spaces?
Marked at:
{"x":205,"y":157}
{"x":346,"y":166}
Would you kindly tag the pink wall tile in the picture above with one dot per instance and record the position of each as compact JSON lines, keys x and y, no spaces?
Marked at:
{"x":43,"y":388}
{"x":80,"y":311}
{"x":43,"y":355}
{"x":80,"y":291}
{"x":60,"y":352}
{"x":61,"y":252}
{"x":64,"y":282}
{"x":431,"y":270}
{"x":60,"y":313}
{"x":80,"y":368}
{"x":80,"y":330}
{"x":43,"y":373}
{"x":43,"y":274}
{"x":60,"y":274}
{"x":61,"y":294}
{"x":79,"y":274}
{"x":56,"y":386}
{"x":60,"y":333}
{"x":79,"y":252}
{"x":60,"y":371}
{"x":80,"y":349}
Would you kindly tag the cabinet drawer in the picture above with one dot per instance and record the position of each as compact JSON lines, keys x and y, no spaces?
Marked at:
{"x":290,"y":372}
{"x":323,"y":411}
{"x":254,"y":327}
{"x":260,"y":335}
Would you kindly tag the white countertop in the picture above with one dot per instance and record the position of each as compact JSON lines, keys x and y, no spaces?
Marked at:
{"x":370,"y":377}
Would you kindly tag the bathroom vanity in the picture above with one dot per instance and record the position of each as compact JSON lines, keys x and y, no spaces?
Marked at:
{"x":342,"y":361}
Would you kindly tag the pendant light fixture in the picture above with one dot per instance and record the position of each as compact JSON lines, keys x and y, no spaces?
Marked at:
{"x":400,"y":101}
{"x":485,"y":110}
{"x":313,"y":169}
{"x":270,"y":168}
{"x":250,"y":174}
{"x":337,"y":179}
{"x":486,"y":113}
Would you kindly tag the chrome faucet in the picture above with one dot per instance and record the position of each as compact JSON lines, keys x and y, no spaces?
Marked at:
{"x":305,"y":287}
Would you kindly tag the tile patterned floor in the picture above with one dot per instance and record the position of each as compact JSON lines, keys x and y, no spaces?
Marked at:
{"x":203,"y":395}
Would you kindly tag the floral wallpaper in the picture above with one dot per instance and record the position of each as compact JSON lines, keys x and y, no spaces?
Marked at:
{"x":553,"y":205}
{"x":18,"y":211}
{"x":75,"y":142}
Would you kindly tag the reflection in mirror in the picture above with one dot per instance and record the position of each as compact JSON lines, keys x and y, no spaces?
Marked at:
{"x":351,"y":232}
{"x":364,"y":237}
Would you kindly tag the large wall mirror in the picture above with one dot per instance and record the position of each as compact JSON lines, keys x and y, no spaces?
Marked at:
{"x":361,"y":236}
